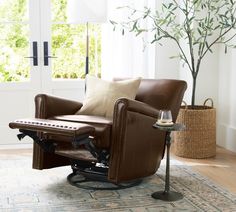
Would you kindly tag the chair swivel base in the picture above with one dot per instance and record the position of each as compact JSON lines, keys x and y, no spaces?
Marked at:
{"x":167,"y":196}
{"x":82,"y":180}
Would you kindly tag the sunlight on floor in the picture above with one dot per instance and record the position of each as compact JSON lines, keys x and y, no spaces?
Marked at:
{"x":206,"y":164}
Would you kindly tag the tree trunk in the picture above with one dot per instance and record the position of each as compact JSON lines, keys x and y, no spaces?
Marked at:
{"x":193,"y":91}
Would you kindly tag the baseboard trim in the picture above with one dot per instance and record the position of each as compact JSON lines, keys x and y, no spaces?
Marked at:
{"x":16,"y":146}
{"x":226,"y":136}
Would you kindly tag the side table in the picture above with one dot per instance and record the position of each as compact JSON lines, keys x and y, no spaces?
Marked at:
{"x":168,"y":195}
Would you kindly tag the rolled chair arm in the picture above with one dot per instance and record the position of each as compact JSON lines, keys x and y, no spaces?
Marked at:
{"x":137,"y":148}
{"x":139,"y":107}
{"x":47,"y":106}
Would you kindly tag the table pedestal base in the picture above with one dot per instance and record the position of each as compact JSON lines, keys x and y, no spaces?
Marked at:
{"x":167,"y":196}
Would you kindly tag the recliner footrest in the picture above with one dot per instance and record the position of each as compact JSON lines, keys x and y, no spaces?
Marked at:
{"x":65,"y":128}
{"x":78,"y":132}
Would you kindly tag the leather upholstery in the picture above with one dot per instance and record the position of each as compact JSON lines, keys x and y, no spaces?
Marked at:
{"x":102,"y":127}
{"x":46,"y":106}
{"x":136,"y":149}
{"x":64,"y":128}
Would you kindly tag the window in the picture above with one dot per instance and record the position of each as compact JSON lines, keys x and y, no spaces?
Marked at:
{"x":14,"y":45}
{"x":69,"y":45}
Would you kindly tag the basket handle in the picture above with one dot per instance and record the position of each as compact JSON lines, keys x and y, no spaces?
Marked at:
{"x":208,"y":99}
{"x":185,"y":104}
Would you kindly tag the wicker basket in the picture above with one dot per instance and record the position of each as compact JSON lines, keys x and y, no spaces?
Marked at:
{"x":199,"y":138}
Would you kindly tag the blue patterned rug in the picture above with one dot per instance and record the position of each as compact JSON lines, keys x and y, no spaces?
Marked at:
{"x":25,"y":189}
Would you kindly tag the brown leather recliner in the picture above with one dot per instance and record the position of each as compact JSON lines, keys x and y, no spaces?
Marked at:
{"x":132,"y":147}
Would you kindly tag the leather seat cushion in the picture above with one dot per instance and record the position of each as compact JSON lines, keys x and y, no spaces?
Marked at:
{"x":102,"y":125}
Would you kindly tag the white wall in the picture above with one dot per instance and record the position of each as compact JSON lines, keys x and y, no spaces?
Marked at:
{"x":207,"y":80}
{"x":166,"y":67}
{"x":226,"y":111}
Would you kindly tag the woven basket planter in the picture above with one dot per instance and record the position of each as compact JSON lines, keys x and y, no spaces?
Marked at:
{"x":199,"y":138}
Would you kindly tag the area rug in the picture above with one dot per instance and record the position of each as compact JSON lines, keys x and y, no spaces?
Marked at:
{"x":25,"y":189}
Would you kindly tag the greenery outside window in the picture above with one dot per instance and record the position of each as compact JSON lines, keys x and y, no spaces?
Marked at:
{"x":68,"y":43}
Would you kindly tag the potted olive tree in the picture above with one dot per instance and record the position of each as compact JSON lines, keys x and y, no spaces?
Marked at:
{"x":197,"y":25}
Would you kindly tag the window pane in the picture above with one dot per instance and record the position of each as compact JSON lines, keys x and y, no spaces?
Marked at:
{"x":69,"y":45}
{"x":14,"y":10}
{"x":59,"y":10}
{"x":14,"y":46}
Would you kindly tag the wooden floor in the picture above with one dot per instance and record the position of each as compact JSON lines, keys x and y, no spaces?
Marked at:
{"x":220,"y":169}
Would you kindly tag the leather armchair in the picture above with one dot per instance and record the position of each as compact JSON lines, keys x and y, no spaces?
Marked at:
{"x":134,"y":149}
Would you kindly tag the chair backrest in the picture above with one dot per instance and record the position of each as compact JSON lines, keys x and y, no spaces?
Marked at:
{"x":162,"y":94}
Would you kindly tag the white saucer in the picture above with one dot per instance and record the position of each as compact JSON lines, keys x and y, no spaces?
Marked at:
{"x":165,"y":124}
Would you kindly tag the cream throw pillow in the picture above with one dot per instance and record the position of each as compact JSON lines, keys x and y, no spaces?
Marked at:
{"x":101,"y":95}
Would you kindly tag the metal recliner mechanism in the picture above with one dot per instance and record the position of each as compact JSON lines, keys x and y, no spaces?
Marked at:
{"x":46,"y":144}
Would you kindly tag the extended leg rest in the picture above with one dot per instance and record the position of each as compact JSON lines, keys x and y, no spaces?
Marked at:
{"x":79,"y":133}
{"x":65,"y":128}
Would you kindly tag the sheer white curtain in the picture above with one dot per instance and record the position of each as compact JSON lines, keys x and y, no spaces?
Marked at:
{"x":123,"y":56}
